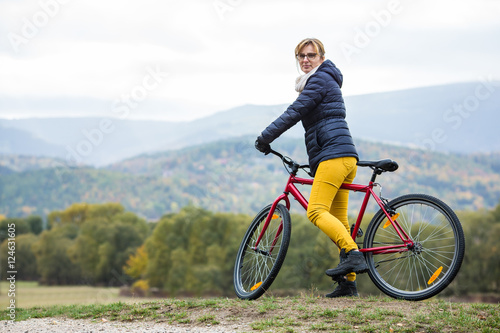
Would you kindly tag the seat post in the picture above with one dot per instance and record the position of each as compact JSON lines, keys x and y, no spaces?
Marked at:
{"x":376,"y":171}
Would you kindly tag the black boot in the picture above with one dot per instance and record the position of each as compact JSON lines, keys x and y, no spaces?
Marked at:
{"x":345,"y":288}
{"x":353,"y":261}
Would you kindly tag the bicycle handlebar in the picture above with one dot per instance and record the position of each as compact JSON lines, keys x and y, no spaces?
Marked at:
{"x":291,"y":163}
{"x":378,"y":167}
{"x":274,"y":152}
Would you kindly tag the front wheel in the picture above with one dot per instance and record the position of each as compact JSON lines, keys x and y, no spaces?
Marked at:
{"x":256,"y":267}
{"x":431,"y":263}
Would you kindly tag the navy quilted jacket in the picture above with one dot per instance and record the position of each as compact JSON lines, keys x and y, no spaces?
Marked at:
{"x":321,"y":109}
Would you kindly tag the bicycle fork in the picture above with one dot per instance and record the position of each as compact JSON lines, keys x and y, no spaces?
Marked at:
{"x":271,"y":216}
{"x":264,"y":228}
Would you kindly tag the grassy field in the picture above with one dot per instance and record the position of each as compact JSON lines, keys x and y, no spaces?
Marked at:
{"x":30,"y":294}
{"x":308,"y":312}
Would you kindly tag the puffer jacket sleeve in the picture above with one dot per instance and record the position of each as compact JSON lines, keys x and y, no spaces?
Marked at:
{"x":310,"y":97}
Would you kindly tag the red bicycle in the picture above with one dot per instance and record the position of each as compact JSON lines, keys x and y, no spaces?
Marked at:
{"x":413,"y":246}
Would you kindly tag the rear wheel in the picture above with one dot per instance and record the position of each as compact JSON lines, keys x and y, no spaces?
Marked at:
{"x":257,"y":267}
{"x":426,"y":268}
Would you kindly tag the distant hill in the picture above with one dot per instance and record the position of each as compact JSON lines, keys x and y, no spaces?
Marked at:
{"x":230,"y":175}
{"x":25,"y":142}
{"x":5,"y":171}
{"x":19,"y":163}
{"x":459,"y":118}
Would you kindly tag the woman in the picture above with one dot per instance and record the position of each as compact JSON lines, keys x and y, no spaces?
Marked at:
{"x":332,"y":155}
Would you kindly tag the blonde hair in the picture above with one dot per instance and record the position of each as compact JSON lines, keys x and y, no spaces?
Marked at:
{"x":318,"y":46}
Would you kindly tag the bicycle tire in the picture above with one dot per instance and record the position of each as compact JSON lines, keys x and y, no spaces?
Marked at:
{"x":255,"y":270}
{"x":431,"y":265}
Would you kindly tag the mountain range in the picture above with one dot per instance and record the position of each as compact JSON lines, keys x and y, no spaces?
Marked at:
{"x":444,"y":138}
{"x":231,"y":176}
{"x":456,"y":118}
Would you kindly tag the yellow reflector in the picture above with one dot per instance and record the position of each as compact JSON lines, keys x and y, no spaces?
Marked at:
{"x":275,"y":216}
{"x":388,"y":223}
{"x":435,"y":275}
{"x":256,"y":286}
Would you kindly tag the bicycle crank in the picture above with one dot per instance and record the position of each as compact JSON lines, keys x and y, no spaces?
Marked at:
{"x":360,"y":231}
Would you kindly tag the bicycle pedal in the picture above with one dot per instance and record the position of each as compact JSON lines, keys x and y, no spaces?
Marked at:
{"x":359,"y":233}
{"x":339,"y":278}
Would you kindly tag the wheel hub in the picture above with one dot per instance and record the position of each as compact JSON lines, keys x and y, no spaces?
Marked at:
{"x":417,"y":248}
{"x":265,"y":253}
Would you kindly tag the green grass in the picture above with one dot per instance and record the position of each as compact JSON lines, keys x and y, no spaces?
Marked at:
{"x":285,"y":324}
{"x":30,"y":294}
{"x":288,"y":314}
{"x":208,"y":319}
{"x":268,"y":303}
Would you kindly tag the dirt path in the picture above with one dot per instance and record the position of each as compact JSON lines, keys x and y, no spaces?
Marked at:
{"x":65,"y":325}
{"x":276,"y":314}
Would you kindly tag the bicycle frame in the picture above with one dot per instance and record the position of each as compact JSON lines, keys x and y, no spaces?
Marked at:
{"x":290,"y":188}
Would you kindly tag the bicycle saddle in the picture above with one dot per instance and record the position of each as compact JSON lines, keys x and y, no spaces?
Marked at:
{"x":385,"y":165}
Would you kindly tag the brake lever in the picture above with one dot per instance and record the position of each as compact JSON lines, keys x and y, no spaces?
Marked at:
{"x":288,"y":161}
{"x":304,"y":167}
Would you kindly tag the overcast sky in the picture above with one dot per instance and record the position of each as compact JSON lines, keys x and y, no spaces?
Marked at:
{"x":202,"y":56}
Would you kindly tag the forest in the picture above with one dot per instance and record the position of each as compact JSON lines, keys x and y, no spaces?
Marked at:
{"x":192,"y":251}
{"x":231,"y":176}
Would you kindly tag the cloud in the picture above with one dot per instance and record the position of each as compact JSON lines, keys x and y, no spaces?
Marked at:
{"x":242,"y":52}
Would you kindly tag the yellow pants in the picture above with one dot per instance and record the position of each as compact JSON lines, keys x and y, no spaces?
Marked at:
{"x":327,"y":207}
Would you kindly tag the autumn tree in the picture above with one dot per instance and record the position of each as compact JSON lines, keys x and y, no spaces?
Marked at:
{"x":35,"y":223}
{"x":105,"y":241}
{"x":193,"y":251}
{"x":20,"y":226}
{"x":51,"y":252}
{"x":480,"y":271}
{"x":93,"y":242}
{"x":137,"y":263}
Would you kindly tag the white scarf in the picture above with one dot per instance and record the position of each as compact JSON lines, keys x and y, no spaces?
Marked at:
{"x":300,"y":82}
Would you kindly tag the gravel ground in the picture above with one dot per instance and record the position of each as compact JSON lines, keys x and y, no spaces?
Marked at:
{"x":63,"y":325}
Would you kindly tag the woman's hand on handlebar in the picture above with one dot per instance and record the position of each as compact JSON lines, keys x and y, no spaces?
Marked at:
{"x":261,"y":146}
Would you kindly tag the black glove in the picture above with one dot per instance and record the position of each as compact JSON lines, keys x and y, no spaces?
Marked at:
{"x":261,"y":146}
